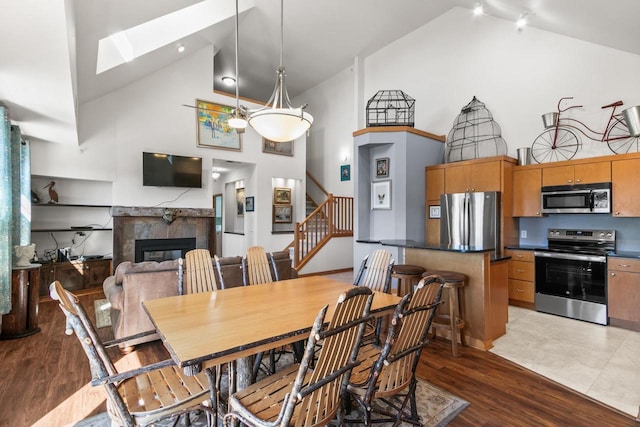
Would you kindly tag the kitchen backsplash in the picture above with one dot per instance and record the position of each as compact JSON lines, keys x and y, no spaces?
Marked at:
{"x":627,"y":229}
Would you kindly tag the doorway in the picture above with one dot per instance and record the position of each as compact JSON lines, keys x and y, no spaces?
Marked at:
{"x":217,"y":235}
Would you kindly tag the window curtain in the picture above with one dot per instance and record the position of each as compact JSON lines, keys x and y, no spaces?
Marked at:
{"x":15,"y":201}
{"x":5,"y":212}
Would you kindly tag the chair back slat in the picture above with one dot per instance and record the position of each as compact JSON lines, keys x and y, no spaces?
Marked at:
{"x":257,"y":266}
{"x":200,"y":273}
{"x":375,"y":272}
{"x":408,"y":335}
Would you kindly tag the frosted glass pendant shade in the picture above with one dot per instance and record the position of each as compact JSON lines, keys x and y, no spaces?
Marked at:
{"x":237,"y":123}
{"x":281,"y":124}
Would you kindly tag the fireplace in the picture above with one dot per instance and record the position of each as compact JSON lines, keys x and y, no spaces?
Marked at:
{"x":162,"y":249}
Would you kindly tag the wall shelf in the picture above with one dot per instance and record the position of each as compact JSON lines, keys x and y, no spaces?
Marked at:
{"x":74,"y":229}
{"x":61,"y":205}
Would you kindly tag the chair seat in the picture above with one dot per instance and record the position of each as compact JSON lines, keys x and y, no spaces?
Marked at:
{"x":450,"y":277}
{"x":408,"y":269}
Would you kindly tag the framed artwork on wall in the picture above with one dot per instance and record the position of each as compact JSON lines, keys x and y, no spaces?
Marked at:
{"x":240,"y":201}
{"x":382,"y":167}
{"x":381,"y":194}
{"x":345,"y":173}
{"x":213,"y":129}
{"x":281,"y":196}
{"x":273,"y":147}
{"x":248,"y":204}
{"x":282,"y":213}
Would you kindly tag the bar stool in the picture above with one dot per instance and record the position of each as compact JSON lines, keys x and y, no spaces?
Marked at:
{"x":407,"y":275}
{"x":452,"y":321}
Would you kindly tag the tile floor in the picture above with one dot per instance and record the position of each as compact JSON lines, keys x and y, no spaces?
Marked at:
{"x":602,"y":362}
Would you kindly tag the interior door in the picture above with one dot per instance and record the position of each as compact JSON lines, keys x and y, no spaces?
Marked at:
{"x":217,"y":234}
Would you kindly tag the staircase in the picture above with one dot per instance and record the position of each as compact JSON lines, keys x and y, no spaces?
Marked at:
{"x":331,"y":218}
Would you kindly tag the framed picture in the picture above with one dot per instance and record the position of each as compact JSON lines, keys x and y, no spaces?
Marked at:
{"x":273,"y":147}
{"x":381,"y":194}
{"x":345,"y":172}
{"x":382,"y":167}
{"x":434,"y":212}
{"x":281,"y":196}
{"x":282,"y":213}
{"x":248,"y":204}
{"x":213,"y":128}
{"x":240,"y":201}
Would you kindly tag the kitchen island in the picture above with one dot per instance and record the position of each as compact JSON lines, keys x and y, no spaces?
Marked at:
{"x":486,"y":292}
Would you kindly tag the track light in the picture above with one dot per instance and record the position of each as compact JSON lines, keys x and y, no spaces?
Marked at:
{"x":478,"y":9}
{"x":180,"y":48}
{"x":522,"y":20}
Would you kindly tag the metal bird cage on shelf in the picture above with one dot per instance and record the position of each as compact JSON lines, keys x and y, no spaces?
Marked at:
{"x":390,"y":108}
{"x":474,"y":135}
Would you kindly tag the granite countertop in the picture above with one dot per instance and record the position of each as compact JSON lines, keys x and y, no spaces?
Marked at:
{"x":527,"y":247}
{"x":624,"y":254}
{"x":414,"y":244}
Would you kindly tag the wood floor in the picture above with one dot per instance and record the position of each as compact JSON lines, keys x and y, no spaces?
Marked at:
{"x":44,"y":381}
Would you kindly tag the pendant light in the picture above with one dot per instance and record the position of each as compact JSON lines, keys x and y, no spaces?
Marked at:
{"x":237,"y":122}
{"x":278,"y":121}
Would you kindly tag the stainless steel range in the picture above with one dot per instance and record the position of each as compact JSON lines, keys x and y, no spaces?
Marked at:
{"x":571,"y":274}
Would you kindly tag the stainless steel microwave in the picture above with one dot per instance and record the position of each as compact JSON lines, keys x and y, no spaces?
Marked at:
{"x":582,"y":198}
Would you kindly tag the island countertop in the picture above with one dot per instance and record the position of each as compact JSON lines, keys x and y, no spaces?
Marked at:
{"x":495,"y":255}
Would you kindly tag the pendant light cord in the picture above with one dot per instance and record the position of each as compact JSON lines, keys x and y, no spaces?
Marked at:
{"x":237,"y":88}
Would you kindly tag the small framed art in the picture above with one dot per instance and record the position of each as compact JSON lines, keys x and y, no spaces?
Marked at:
{"x":281,"y":196}
{"x":248,"y":204}
{"x":382,"y":167}
{"x":282,"y":213}
{"x":381,"y":194}
{"x":240,"y":201}
{"x":213,"y":129}
{"x":274,"y":147}
{"x":345,"y":172}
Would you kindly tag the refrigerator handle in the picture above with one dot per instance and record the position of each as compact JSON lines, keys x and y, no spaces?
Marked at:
{"x":465,"y":220}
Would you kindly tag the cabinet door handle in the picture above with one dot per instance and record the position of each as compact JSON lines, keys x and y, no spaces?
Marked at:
{"x":624,"y":265}
{"x":578,"y":180}
{"x":617,"y":212}
{"x":520,"y":290}
{"x":519,"y":270}
{"x":569,"y":181}
{"x":613,"y":274}
{"x":537,"y":213}
{"x":519,"y":255}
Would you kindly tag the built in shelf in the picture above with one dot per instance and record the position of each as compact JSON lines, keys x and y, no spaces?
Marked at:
{"x":70,"y":205}
{"x":74,"y":229}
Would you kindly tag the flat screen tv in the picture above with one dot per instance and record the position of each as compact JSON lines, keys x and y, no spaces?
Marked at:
{"x":169,"y":170}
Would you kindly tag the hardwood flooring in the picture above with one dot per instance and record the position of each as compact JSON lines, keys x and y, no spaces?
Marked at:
{"x":45,"y":381}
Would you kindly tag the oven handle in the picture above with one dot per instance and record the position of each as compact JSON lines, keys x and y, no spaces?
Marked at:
{"x":576,"y":257}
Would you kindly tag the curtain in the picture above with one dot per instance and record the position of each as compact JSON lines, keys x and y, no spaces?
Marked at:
{"x":6,"y":209}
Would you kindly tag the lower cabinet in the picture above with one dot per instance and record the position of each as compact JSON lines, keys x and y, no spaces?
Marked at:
{"x":75,"y":275}
{"x":521,"y":277}
{"x":624,"y":292}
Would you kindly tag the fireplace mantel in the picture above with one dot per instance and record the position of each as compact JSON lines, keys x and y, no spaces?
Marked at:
{"x":154,"y":212}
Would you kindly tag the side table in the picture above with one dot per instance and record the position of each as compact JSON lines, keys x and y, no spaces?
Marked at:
{"x":22,"y":320}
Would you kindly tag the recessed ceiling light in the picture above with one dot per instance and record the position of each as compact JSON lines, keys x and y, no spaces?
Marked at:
{"x":228,"y":80}
{"x":180,"y":48}
{"x":478,"y":10}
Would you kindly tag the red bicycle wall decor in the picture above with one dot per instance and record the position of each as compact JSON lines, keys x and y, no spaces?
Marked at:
{"x":560,"y":140}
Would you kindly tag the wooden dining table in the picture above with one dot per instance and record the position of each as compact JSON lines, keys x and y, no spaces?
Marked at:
{"x":211,"y":328}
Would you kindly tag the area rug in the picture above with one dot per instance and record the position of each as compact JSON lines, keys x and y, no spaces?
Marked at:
{"x":102,"y":308}
{"x":436,"y":407}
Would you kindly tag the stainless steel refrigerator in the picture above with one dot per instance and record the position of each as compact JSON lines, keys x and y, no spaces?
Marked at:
{"x":470,"y":220}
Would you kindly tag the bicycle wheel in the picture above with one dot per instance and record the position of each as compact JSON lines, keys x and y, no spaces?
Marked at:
{"x":567,"y":144}
{"x":619,"y":140}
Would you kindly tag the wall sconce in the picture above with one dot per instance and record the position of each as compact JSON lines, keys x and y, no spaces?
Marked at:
{"x":522,"y":21}
{"x":478,"y":9}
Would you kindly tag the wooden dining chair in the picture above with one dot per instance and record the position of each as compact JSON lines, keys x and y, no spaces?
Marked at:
{"x":387,"y":374}
{"x":200,"y":274}
{"x":257,"y":266}
{"x":141,"y":396}
{"x":299,"y":395}
{"x":375,"y":273}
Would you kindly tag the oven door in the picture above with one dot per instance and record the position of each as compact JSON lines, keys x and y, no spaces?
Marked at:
{"x":573,"y":276}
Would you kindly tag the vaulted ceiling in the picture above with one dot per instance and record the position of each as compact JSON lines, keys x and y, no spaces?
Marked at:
{"x":49,"y":48}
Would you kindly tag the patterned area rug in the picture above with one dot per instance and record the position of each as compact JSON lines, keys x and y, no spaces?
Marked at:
{"x":436,"y":407}
{"x":102,"y":308}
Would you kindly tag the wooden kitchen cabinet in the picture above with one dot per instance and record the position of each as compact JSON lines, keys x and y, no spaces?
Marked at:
{"x":625,"y":176}
{"x":483,"y":176}
{"x":624,"y":292}
{"x":526,"y":192}
{"x":521,"y":277}
{"x":579,"y":173}
{"x":434,"y":188}
{"x":75,"y":275}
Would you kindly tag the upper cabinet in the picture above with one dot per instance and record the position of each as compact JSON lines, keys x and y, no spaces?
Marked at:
{"x":485,"y":176}
{"x":526,"y":191}
{"x":581,"y":173}
{"x":625,"y":176}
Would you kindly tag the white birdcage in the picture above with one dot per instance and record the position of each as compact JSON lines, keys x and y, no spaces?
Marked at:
{"x":390,"y":108}
{"x":474,"y":135}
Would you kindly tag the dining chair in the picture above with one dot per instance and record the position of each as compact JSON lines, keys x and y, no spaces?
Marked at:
{"x":137,"y":397}
{"x":385,"y":381}
{"x":257,"y":266}
{"x":200,"y":274}
{"x":302,"y":396}
{"x":375,"y":273}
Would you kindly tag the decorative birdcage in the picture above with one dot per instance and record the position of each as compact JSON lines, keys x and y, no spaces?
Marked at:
{"x":390,"y":108}
{"x":474,"y":134}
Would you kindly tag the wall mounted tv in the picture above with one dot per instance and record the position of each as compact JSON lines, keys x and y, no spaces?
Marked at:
{"x":169,"y":170}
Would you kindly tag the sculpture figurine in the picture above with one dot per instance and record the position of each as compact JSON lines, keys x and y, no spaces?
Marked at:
{"x":53,"y":196}
{"x":25,"y":254}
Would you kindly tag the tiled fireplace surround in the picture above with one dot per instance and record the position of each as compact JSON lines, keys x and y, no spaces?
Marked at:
{"x":135,"y":223}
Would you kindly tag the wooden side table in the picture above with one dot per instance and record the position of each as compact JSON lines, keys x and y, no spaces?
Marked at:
{"x":22,"y":320}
